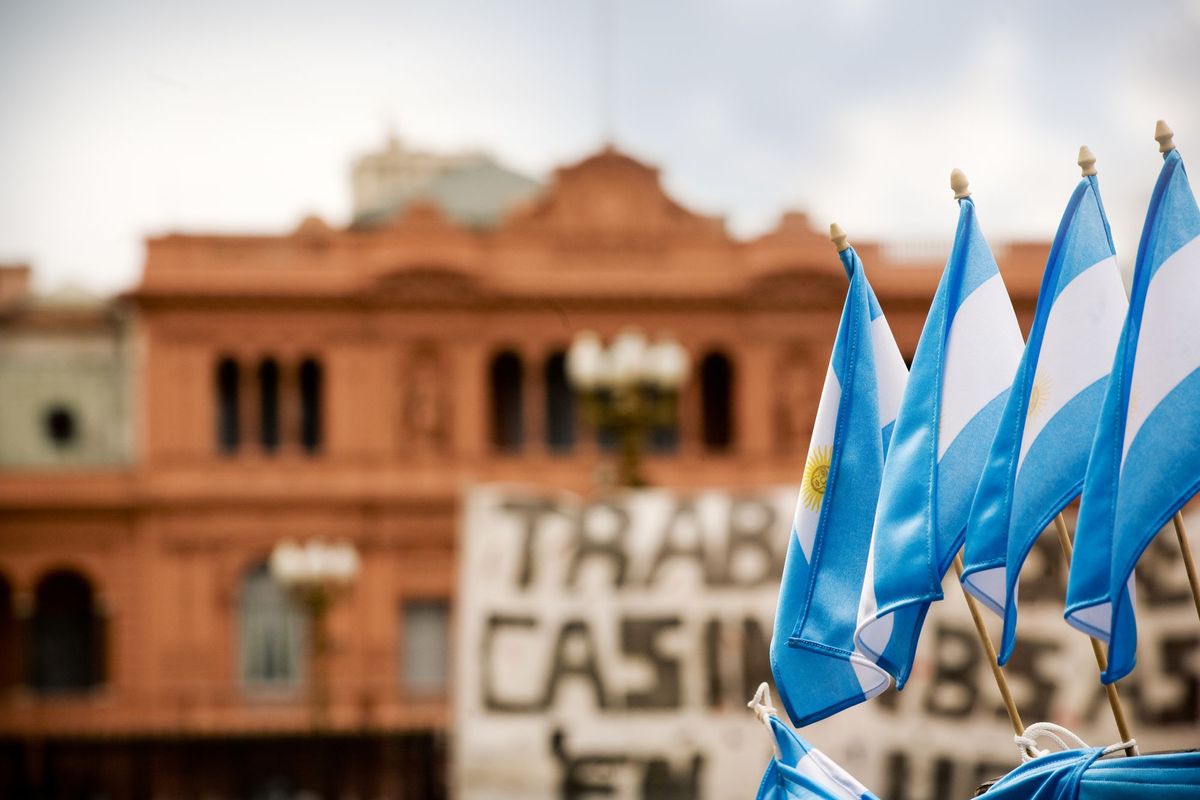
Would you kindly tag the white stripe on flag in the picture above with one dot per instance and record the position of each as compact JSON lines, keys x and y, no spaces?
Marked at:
{"x":1078,"y":345}
{"x":890,"y":372}
{"x":804,"y":523}
{"x":983,"y":349}
{"x":1166,"y":349}
{"x":873,"y":633}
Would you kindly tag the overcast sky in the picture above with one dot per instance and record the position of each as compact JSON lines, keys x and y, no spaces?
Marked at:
{"x":123,"y":119}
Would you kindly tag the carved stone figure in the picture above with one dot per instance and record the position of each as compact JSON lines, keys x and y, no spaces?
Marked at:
{"x":798,"y":391}
{"x":425,"y":399}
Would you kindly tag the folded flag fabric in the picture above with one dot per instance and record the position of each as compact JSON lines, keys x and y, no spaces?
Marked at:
{"x":1084,"y":775}
{"x":1040,"y":453}
{"x":960,"y":378}
{"x":1145,"y":458}
{"x":801,"y":771}
{"x":815,"y":668}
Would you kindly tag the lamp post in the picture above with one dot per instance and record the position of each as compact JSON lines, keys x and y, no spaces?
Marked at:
{"x":316,"y":573}
{"x":628,"y":388}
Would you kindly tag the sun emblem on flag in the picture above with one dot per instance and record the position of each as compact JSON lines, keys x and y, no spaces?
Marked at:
{"x":1038,"y":396}
{"x":816,"y":476}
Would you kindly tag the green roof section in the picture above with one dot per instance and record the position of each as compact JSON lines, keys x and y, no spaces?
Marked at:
{"x":476,"y":195}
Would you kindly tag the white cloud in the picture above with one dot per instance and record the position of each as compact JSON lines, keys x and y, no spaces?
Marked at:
{"x":245,"y":116}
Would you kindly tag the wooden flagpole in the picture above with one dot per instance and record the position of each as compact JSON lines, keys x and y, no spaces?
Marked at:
{"x":1166,"y":143}
{"x":961,"y":188}
{"x":1114,"y":699}
{"x":1087,"y":166}
{"x":1189,"y":564}
{"x":989,"y":649}
{"x":838,"y":236}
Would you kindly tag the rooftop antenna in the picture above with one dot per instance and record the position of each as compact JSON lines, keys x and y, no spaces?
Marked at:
{"x":391,"y":133}
{"x":606,"y":13}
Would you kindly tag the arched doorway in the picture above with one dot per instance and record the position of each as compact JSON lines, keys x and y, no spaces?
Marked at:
{"x":10,"y":666}
{"x":272,"y":632}
{"x":66,"y":636}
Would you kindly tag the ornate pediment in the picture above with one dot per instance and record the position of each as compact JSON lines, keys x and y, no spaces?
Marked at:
{"x":798,"y":288}
{"x":423,"y":216}
{"x":425,"y":286}
{"x":610,"y":201}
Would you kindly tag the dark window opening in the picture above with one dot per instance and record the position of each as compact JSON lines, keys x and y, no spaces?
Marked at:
{"x":227,"y":405}
{"x":311,"y":387}
{"x":560,"y":405}
{"x":426,"y":642}
{"x":663,"y":434}
{"x":67,"y":654}
{"x":268,"y":395}
{"x":716,"y":401}
{"x":60,"y":427}
{"x":606,"y":435}
{"x":273,"y":635}
{"x":507,"y":375}
{"x":10,"y":670}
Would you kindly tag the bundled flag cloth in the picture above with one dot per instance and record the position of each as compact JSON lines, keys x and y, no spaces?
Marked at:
{"x":812,"y":653}
{"x":960,"y":378}
{"x":1040,"y":453}
{"x":801,"y":771}
{"x":1084,"y":775}
{"x":1145,"y":459}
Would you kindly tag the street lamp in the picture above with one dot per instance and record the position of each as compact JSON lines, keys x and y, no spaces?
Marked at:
{"x":316,"y":573}
{"x":628,"y":388}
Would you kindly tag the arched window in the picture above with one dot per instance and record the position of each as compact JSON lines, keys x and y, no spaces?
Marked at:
{"x":10,"y":669}
{"x":716,"y":401}
{"x":663,"y":435}
{"x":560,"y":405}
{"x":311,"y":389}
{"x":67,"y":636}
{"x":227,"y":405}
{"x":507,"y":375}
{"x":268,"y":397}
{"x":272,"y":632}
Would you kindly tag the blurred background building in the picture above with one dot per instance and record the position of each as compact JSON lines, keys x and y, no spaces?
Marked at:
{"x":344,"y":384}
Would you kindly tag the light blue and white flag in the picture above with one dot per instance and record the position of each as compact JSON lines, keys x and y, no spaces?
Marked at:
{"x":1040,"y":453}
{"x":813,"y":661}
{"x":801,"y":772}
{"x":961,"y":374}
{"x":1145,"y":460}
{"x":1084,"y":775}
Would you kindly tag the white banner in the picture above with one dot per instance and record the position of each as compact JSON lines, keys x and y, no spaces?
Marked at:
{"x":607,"y":648}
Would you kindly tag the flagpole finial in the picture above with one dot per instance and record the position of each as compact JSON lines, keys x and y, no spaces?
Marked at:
{"x":1087,"y":161}
{"x":958,"y":182}
{"x":1164,"y":136}
{"x":838,"y":237}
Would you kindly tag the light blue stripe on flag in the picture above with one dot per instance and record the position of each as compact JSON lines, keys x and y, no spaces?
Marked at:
{"x":1039,"y":456}
{"x":961,"y":374}
{"x":801,"y":772}
{"x":816,"y":670}
{"x":1145,"y":459}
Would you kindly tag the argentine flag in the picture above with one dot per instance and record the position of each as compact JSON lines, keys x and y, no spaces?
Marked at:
{"x":1145,"y":460}
{"x":813,"y":661}
{"x":961,"y":374}
{"x":1040,"y":452}
{"x":801,"y":771}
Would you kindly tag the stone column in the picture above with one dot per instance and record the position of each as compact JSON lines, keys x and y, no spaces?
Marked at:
{"x":471,"y":409}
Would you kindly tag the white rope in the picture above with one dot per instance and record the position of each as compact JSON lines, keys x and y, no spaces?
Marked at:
{"x":1060,"y":736}
{"x":761,"y":705}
